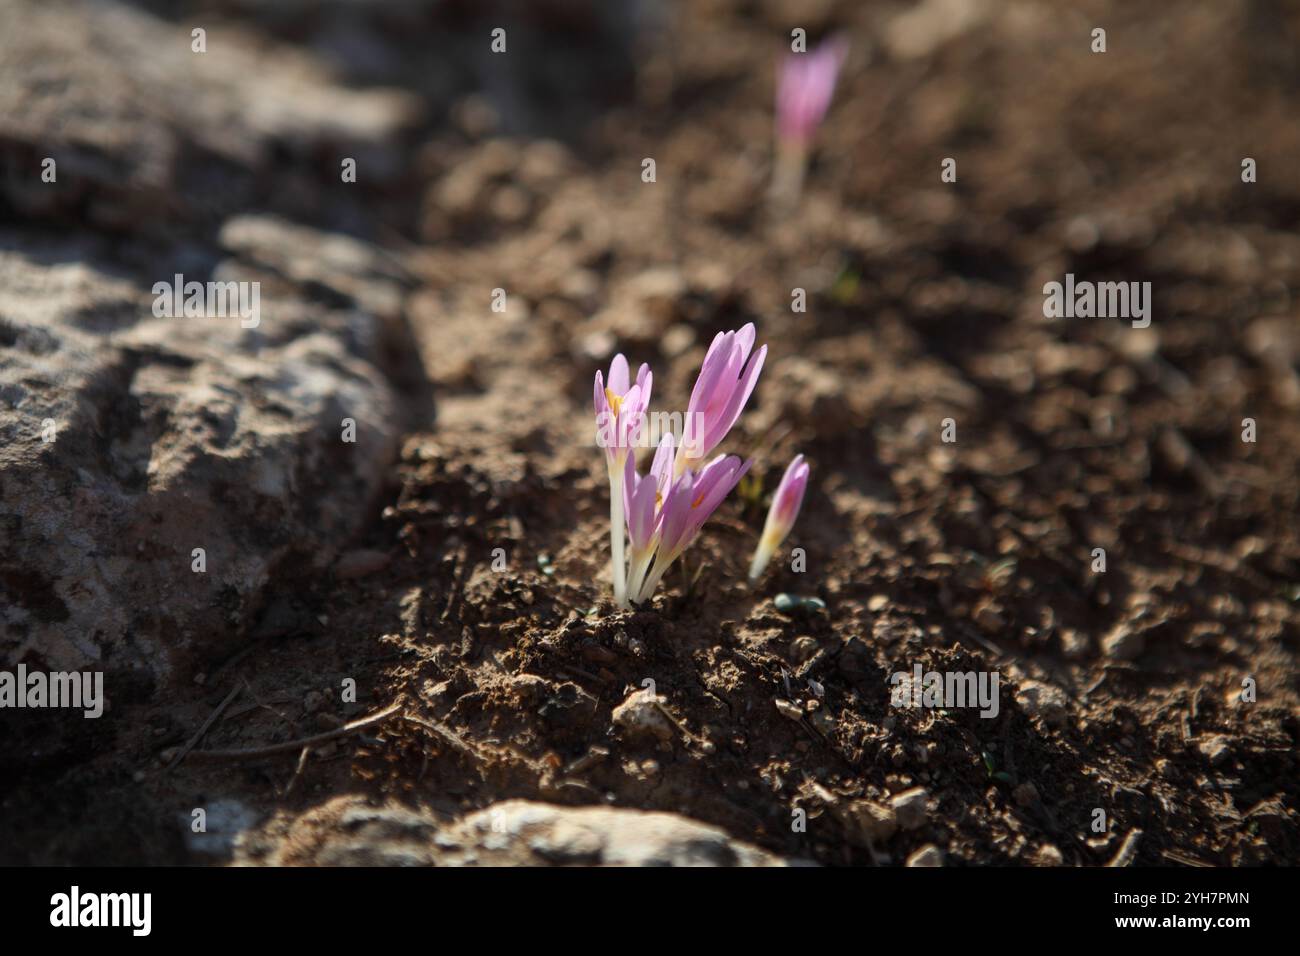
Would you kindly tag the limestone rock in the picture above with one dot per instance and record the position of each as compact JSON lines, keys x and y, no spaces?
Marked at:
{"x":129,"y":440}
{"x":347,"y":831}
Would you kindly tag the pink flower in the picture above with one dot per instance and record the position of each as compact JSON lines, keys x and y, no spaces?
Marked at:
{"x":620,"y":416}
{"x":643,"y":497}
{"x":781,"y":515}
{"x":804,"y":89}
{"x":694,"y":498}
{"x":789,"y":494}
{"x":620,"y":409}
{"x":663,"y":524}
{"x":723,"y":387}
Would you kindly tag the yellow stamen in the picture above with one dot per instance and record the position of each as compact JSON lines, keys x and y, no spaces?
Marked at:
{"x":614,"y":401}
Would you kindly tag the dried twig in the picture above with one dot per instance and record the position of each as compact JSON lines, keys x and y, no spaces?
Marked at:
{"x":1127,"y":849}
{"x":298,"y":770}
{"x":289,"y":746}
{"x":460,"y":575}
{"x":446,"y":734}
{"x":207,"y":725}
{"x":1182,"y":858}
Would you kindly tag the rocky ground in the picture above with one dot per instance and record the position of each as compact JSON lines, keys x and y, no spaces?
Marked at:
{"x":502,"y":716}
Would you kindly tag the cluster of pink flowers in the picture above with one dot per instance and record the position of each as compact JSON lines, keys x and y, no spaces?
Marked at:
{"x":661,"y":513}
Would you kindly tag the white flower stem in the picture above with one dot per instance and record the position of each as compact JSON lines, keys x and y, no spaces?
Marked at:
{"x":652,"y":581}
{"x":636,"y":576}
{"x":767,"y":546}
{"x":616,"y":536}
{"x":787,"y":175}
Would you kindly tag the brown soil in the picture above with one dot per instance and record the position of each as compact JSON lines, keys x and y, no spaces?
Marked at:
{"x":924,"y":303}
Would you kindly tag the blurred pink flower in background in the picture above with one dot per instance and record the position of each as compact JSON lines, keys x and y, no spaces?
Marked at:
{"x":804,"y":89}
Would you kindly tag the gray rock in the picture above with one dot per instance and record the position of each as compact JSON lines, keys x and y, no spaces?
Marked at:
{"x":145,"y":131}
{"x":223,"y":822}
{"x":169,"y":434}
{"x":348,"y":831}
{"x":522,"y":832}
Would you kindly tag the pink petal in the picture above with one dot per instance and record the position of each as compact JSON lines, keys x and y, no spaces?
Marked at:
{"x":618,"y":375}
{"x":789,"y":494}
{"x":738,"y":398}
{"x":726,"y":474}
{"x":639,"y":506}
{"x":661,"y":469}
{"x":745,"y":339}
{"x":715,"y":364}
{"x":676,"y":513}
{"x":629,"y":416}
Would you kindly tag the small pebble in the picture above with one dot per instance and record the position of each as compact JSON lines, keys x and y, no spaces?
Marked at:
{"x":910,"y":808}
{"x":928,"y":855}
{"x":1044,"y":702}
{"x":788,"y":709}
{"x":1026,"y":794}
{"x":1048,"y":855}
{"x":802,"y":648}
{"x":641,"y":716}
{"x":1074,"y":644}
{"x":1216,"y":749}
{"x":989,"y":618}
{"x":789,"y":603}
{"x":1124,"y":643}
{"x":873,"y":820}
